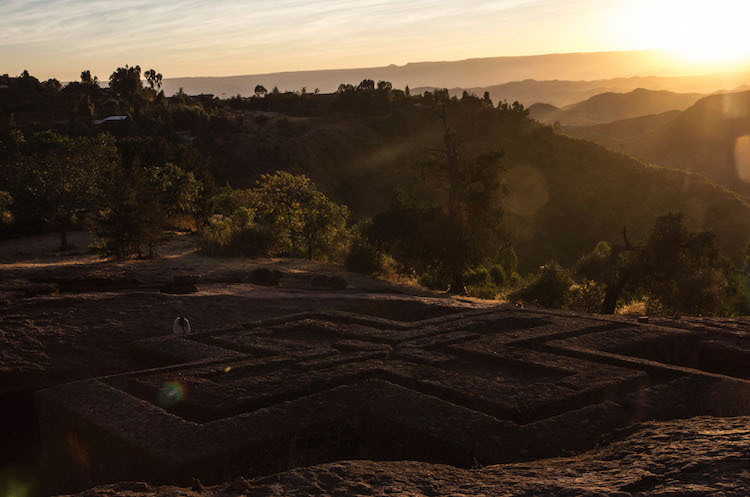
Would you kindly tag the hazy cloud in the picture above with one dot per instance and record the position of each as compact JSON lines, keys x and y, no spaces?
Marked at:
{"x":198,"y":37}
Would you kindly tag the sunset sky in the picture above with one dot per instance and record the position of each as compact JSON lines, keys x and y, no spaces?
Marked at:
{"x":59,"y":38}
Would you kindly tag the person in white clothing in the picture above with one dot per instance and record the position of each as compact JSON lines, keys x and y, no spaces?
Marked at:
{"x":181,"y":326}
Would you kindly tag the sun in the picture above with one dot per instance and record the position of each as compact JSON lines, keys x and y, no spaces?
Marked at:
{"x":698,"y":32}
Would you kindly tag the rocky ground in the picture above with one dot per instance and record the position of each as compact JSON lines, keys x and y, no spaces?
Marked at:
{"x":66,"y":316}
{"x":71,"y":316}
{"x":696,"y":457}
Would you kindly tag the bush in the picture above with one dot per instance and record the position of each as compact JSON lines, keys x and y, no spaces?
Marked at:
{"x":478,"y":276}
{"x":435,"y":278}
{"x":549,"y":287}
{"x":216,"y":234}
{"x":253,"y":241}
{"x":363,"y":257}
{"x":587,"y":296}
{"x":487,"y":292}
{"x":222,"y":238}
{"x":498,"y":275}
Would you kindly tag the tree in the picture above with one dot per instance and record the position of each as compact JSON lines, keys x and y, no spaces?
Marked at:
{"x":126,"y":81}
{"x":260,"y":91}
{"x":680,"y":269}
{"x":52,"y":85}
{"x":153,"y":78}
{"x":366,"y":85}
{"x":133,"y":217}
{"x":57,"y":180}
{"x":178,"y":191}
{"x":323,"y":226}
{"x":459,"y":223}
{"x":385,"y":86}
{"x":304,"y":220}
{"x":86,"y":78}
{"x":471,"y":192}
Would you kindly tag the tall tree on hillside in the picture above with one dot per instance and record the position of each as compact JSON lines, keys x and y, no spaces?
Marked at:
{"x":472,"y":192}
{"x":260,"y":91}
{"x":153,"y":78}
{"x":385,"y":86}
{"x":367,"y":85}
{"x":52,"y":85}
{"x":87,"y":79}
{"x":459,"y":222}
{"x":126,"y":81}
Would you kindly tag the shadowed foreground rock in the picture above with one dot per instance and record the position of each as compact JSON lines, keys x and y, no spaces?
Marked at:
{"x":696,"y":457}
{"x":465,"y":388}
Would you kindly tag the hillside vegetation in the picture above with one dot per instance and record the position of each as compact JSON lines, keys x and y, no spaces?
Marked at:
{"x":366,"y":151}
{"x":703,"y":139}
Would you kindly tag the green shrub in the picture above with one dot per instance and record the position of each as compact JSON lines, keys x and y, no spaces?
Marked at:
{"x":549,"y":287}
{"x":221,"y":237}
{"x":216,"y":234}
{"x":252,"y":241}
{"x":587,"y":296}
{"x":515,"y":280}
{"x":487,"y":292}
{"x":363,"y":257}
{"x":498,"y":275}
{"x":478,"y":276}
{"x":436,"y":278}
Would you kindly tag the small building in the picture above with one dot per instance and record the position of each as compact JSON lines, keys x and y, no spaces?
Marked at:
{"x":186,"y":136}
{"x":204,"y":98}
{"x":110,"y":119}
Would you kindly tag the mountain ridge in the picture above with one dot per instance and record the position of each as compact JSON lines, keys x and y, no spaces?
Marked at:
{"x":471,"y":73}
{"x":702,"y":139}
{"x":613,"y":106}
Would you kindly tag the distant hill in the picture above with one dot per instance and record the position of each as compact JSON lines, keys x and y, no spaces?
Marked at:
{"x":706,"y":138}
{"x":564,"y":93}
{"x":476,"y":74}
{"x":608,"y":107}
{"x":615,"y":135}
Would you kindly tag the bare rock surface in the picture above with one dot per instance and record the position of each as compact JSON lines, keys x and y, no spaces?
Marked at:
{"x":462,"y":387}
{"x":339,"y":389}
{"x":699,"y":457}
{"x":71,"y":315}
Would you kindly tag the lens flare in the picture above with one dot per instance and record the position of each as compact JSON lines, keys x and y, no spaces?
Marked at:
{"x":170,"y":394}
{"x":16,"y":482}
{"x":529,"y":191}
{"x":78,"y":450}
{"x":742,"y":157}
